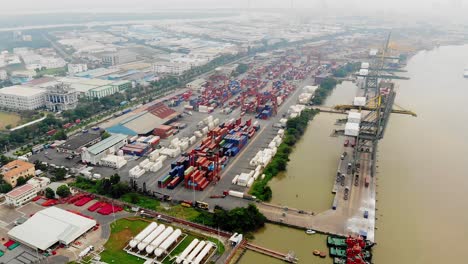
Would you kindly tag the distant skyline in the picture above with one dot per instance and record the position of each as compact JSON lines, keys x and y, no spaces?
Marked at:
{"x":440,"y":7}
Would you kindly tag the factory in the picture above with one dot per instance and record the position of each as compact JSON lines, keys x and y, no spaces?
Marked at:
{"x":75,"y":145}
{"x":95,"y":88}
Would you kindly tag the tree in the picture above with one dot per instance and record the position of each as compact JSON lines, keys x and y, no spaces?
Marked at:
{"x":63,"y":191}
{"x":114,"y":179}
{"x":134,"y":198}
{"x":119,"y":189}
{"x":60,"y":174}
{"x":21,"y":181}
{"x":49,"y":193}
{"x":105,"y":135}
{"x":60,"y":135}
{"x":103,"y":186}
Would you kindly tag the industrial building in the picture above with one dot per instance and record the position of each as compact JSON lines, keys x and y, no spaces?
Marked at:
{"x":74,"y":145}
{"x":173,"y":68}
{"x":51,"y":226}
{"x":196,"y":84}
{"x":119,"y":57}
{"x":25,"y":193}
{"x":96,"y":152}
{"x":61,"y":97}
{"x":20,"y":97}
{"x":77,"y":68}
{"x":15,"y":169}
{"x":96,"y":88}
{"x":144,"y":122}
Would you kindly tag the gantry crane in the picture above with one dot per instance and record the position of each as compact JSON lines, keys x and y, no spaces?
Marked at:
{"x":377,"y":110}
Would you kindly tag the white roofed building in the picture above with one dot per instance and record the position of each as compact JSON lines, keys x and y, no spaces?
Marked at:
{"x":21,"y":97}
{"x":51,"y":226}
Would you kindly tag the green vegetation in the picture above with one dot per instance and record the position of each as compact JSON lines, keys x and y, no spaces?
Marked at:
{"x":49,"y":193}
{"x":346,"y":69}
{"x":4,"y":186}
{"x":55,"y":71}
{"x":111,"y":187}
{"x":140,"y":200}
{"x":324,"y":90}
{"x":241,"y":68}
{"x":63,"y":191}
{"x":241,"y":220}
{"x":22,"y":180}
{"x":295,"y":128}
{"x":121,"y":231}
{"x":9,"y":120}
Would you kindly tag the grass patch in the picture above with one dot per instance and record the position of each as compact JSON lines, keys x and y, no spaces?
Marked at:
{"x":181,"y":212}
{"x":54,"y":71}
{"x":121,"y":231}
{"x":141,"y":200}
{"x":9,"y":120}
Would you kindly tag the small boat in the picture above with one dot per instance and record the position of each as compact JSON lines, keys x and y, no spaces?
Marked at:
{"x":316,"y":252}
{"x":310,"y":232}
{"x":323,"y":254}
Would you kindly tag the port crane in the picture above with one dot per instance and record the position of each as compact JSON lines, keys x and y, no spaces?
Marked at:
{"x":376,"y":112}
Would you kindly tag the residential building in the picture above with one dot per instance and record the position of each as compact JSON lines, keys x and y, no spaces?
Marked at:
{"x":39,"y":182}
{"x":22,"y":97}
{"x":15,"y":169}
{"x":96,"y":152}
{"x":77,"y":68}
{"x":61,"y":97}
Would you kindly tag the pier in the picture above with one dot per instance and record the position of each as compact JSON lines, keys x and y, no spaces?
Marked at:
{"x":288,"y":257}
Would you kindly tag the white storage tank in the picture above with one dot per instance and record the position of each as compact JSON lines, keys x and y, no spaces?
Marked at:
{"x":153,"y":235}
{"x":186,"y":251}
{"x":203,"y":253}
{"x":236,"y":194}
{"x":144,"y":233}
{"x":167,"y":243}
{"x":195,"y":252}
{"x":158,"y":240}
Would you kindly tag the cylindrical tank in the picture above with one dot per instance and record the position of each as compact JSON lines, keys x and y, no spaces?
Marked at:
{"x":186,"y":251}
{"x":167,"y":243}
{"x":203,"y":253}
{"x":156,"y":242}
{"x":192,"y":255}
{"x":144,"y":233}
{"x":150,"y":237}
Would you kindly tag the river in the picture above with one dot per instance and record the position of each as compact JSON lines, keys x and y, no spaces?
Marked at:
{"x":422,"y":181}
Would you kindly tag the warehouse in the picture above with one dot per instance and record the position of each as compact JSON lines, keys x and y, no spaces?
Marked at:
{"x":144,"y":122}
{"x":49,"y":227}
{"x":96,"y":152}
{"x":75,"y":144}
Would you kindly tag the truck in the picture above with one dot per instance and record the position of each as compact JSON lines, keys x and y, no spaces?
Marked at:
{"x":367,"y":181}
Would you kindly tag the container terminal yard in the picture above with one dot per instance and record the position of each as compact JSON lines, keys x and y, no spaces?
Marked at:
{"x":206,"y":144}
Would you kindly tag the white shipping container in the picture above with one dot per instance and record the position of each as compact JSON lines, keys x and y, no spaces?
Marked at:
{"x":250,"y":182}
{"x":161,"y":158}
{"x":210,"y":125}
{"x":364,"y":65}
{"x":236,"y":194}
{"x":359,"y":101}
{"x":156,"y":166}
{"x":352,"y":129}
{"x":216,"y":121}
{"x":205,"y":130}
{"x":281,"y":133}
{"x":234,"y":181}
{"x":198,"y":134}
{"x":354,"y":117}
{"x":259,"y":168}
{"x":255,"y":176}
{"x":192,"y":140}
{"x":184,"y":145}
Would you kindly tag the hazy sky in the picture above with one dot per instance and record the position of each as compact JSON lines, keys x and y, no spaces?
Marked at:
{"x":405,"y":6}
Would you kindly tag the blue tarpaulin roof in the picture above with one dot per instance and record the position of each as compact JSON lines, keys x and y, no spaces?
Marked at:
{"x":122,"y":130}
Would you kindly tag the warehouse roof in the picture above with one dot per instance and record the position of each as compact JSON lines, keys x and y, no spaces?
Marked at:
{"x":106,"y":143}
{"x":20,"y":90}
{"x":49,"y":226}
{"x":79,"y":141}
{"x":120,"y":129}
{"x":144,"y":123}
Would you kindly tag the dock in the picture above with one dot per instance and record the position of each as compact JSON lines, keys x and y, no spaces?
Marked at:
{"x":330,"y":110}
{"x":288,"y":257}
